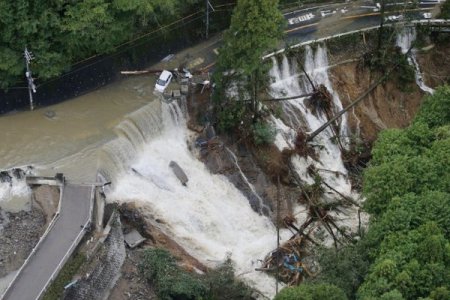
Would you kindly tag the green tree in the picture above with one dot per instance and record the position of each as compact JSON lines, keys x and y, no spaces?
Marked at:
{"x":309,"y":291}
{"x":405,"y":254}
{"x":445,"y":10}
{"x":435,"y":109}
{"x":345,"y":268}
{"x":409,"y":160}
{"x":256,"y":27}
{"x":413,"y":263}
{"x":60,"y":33}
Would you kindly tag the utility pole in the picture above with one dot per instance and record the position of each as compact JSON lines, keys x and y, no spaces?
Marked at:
{"x":208,"y":5}
{"x":31,"y":86}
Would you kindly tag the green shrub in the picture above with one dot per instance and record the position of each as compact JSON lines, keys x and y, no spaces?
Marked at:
{"x":224,"y":286}
{"x":159,"y":266}
{"x":230,"y":116}
{"x":263,"y":133}
{"x":308,"y":291}
{"x":435,"y":110}
{"x":56,"y":289}
{"x":445,"y":10}
{"x":171,"y":282}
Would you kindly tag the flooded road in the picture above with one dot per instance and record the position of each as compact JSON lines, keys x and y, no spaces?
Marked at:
{"x":65,"y":137}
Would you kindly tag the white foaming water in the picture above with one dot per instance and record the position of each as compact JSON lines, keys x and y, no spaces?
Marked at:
{"x":404,"y":40}
{"x":209,"y":217}
{"x":289,"y":82}
{"x":14,"y":195}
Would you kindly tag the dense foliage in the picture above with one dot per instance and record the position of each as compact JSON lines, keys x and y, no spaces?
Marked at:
{"x":171,"y":282}
{"x":60,"y":33}
{"x":56,"y":289}
{"x":405,"y":254}
{"x":256,"y":27}
{"x":445,"y":10}
{"x":312,"y":292}
{"x":407,"y":188}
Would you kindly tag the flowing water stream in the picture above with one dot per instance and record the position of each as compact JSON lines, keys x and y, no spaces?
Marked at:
{"x":289,"y":81}
{"x":404,"y":40}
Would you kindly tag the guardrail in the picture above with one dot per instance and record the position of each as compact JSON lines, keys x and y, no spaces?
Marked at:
{"x":431,"y":22}
{"x":49,"y":227}
{"x":67,"y":254}
{"x":71,"y":248}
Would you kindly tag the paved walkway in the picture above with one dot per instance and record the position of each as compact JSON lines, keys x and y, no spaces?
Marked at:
{"x":36,"y":274}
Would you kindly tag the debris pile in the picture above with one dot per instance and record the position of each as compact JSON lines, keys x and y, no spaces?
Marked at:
{"x":288,"y":262}
{"x":321,"y":101}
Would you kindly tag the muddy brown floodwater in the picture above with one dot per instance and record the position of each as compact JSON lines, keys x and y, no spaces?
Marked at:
{"x":65,"y":137}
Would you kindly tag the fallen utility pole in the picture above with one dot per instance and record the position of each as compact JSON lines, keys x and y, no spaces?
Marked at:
{"x":339,"y":114}
{"x":139,"y":72}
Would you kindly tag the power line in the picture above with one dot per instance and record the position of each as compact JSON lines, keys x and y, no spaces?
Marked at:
{"x":113,"y":54}
{"x":141,"y":36}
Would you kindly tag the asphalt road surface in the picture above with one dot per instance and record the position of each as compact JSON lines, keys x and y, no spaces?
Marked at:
{"x":74,"y":214}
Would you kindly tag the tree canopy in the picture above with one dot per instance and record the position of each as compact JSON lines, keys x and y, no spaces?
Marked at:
{"x":256,"y":28}
{"x":60,"y":33}
{"x":405,"y":254}
{"x":445,"y":10}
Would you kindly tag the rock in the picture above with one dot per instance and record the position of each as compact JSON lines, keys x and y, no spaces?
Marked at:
{"x":50,"y":114}
{"x":178,"y":171}
{"x":195,"y":127}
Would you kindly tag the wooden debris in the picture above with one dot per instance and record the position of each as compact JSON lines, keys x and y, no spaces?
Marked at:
{"x":287,"y":262}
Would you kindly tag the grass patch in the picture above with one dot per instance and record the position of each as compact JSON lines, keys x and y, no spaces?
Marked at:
{"x":56,"y":289}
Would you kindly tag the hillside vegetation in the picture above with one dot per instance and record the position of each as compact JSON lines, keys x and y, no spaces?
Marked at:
{"x":60,"y":33}
{"x":405,"y":253}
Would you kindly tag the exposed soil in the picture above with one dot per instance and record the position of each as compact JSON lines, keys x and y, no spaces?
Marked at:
{"x":46,"y":198}
{"x":433,"y":64}
{"x":386,"y":107}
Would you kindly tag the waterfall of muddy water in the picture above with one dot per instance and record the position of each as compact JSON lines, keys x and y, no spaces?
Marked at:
{"x":404,"y":41}
{"x":288,"y":81}
{"x":209,"y":217}
{"x":65,"y":138}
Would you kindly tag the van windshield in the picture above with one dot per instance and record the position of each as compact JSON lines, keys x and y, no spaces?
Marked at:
{"x":161,"y":82}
